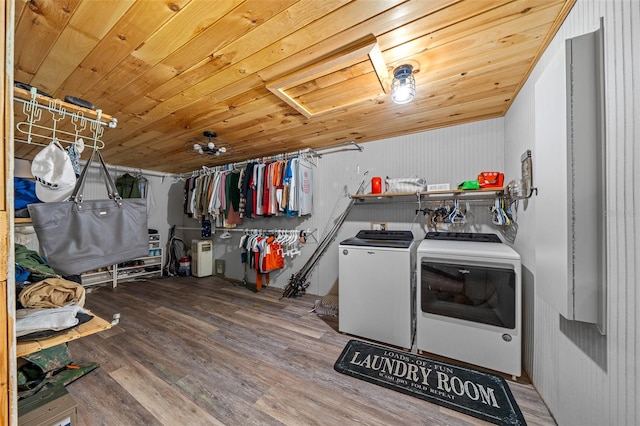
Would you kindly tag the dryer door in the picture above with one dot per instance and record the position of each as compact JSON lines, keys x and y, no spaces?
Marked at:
{"x":481,"y":294}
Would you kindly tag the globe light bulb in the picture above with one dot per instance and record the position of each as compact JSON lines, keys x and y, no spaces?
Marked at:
{"x":403,"y":93}
{"x":211,"y":145}
{"x":403,"y":87}
{"x":196,"y":146}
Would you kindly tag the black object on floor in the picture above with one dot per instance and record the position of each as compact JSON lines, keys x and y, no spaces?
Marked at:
{"x":478,"y":394}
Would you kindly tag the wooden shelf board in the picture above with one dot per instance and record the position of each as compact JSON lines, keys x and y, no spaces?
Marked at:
{"x":44,"y":100}
{"x":92,"y":273}
{"x":95,"y":325}
{"x":453,"y":192}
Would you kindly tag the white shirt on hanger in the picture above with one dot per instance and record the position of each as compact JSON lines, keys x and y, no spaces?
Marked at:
{"x":305,"y":188}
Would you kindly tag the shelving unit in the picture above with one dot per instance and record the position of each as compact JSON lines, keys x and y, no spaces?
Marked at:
{"x":102,"y":276}
{"x":433,"y":202}
{"x":147,"y":266}
{"x":43,"y":120}
{"x":474,"y":194}
{"x":141,"y":267}
{"x":95,"y":325}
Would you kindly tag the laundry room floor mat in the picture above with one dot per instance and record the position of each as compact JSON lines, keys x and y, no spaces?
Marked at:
{"x":478,"y":394}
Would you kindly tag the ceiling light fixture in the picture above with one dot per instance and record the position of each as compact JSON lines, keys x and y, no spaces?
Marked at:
{"x":403,"y":87}
{"x":213,"y":147}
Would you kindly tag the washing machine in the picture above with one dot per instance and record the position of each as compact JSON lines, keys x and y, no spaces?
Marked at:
{"x":377,"y":286}
{"x":469,"y":300}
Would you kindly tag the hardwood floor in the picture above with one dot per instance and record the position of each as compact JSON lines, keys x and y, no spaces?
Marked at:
{"x":201,"y":351}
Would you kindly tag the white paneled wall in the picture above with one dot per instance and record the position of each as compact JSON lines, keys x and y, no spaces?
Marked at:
{"x":586,"y":378}
{"x":449,"y":155}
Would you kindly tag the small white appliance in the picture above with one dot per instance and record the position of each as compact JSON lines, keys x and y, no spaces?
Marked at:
{"x":469,"y":300}
{"x":376,"y":297}
{"x":202,"y":258}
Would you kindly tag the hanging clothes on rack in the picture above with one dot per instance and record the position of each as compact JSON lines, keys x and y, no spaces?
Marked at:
{"x":260,"y":189}
{"x":305,"y":188}
{"x":291,"y":187}
{"x":259,"y":185}
{"x":214,"y":196}
{"x":185,"y":198}
{"x":232,"y":194}
{"x":127,"y":186}
{"x":143,"y":185}
{"x":282,"y":187}
{"x":263,"y":252}
{"x":242,"y":201}
{"x":74,"y":156}
{"x":247,"y":189}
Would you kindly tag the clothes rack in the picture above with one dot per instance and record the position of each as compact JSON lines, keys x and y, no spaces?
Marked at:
{"x":120,"y":169}
{"x":307,"y":232}
{"x":341,"y":147}
{"x":309,"y":154}
{"x":273,"y":188}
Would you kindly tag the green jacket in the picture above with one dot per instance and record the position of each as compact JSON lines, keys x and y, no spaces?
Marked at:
{"x":34,"y":263}
{"x":128,"y":186}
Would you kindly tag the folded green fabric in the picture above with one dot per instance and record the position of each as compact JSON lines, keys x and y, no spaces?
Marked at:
{"x":47,"y":369}
{"x":469,"y":184}
{"x":39,"y":366}
{"x":50,"y":359}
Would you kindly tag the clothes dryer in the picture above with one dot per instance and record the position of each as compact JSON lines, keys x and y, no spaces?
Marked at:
{"x":469,"y":300}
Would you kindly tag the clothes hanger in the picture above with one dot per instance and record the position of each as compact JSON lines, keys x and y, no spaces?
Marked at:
{"x":457,"y":216}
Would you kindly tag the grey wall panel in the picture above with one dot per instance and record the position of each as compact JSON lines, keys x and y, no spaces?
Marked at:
{"x":569,"y":207}
{"x":585,"y":378}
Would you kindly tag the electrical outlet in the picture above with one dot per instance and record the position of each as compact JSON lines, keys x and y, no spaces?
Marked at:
{"x":379,"y":226}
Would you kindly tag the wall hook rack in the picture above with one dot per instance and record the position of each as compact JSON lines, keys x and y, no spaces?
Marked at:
{"x":47,"y":119}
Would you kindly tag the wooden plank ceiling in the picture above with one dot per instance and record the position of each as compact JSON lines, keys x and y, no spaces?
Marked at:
{"x":169,"y":70}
